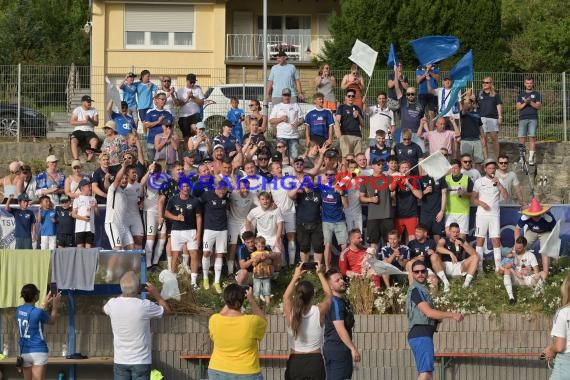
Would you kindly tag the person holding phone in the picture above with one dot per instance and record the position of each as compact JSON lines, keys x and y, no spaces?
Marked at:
{"x":305,"y":324}
{"x":31,"y":321}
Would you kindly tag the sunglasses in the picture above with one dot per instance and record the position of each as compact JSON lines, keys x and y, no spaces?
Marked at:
{"x":487,"y":82}
{"x":420,"y":271}
{"x":467,"y":162}
{"x":262,"y":158}
{"x":163,"y":99}
{"x":167,"y":80}
{"x":351,"y":96}
{"x":503,"y":162}
{"x":406,"y":139}
{"x":77,"y":167}
{"x":253,"y":105}
{"x":280,"y":146}
{"x":411,"y":94}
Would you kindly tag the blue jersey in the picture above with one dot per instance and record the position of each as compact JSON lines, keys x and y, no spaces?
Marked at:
{"x":387,"y":251}
{"x":47,"y":228}
{"x":319,"y":122}
{"x":422,"y":87}
{"x":24,"y":219}
{"x":31,"y":320}
{"x":151,"y":117}
{"x":125,"y":123}
{"x":332,"y":209}
{"x":229,"y":143}
{"x":130,"y":95}
{"x":234,"y":116}
{"x":145,"y":92}
{"x":545,"y":223}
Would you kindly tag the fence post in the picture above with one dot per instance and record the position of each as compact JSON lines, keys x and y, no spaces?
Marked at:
{"x":19,"y":101}
{"x":564,"y":107}
{"x":244,"y":107}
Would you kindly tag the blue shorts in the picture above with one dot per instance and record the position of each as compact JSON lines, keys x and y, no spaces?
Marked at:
{"x":527,"y":127}
{"x":338,"y":364}
{"x":422,"y":348}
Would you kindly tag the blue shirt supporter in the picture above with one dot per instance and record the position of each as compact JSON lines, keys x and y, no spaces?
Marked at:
{"x":529,"y":112}
{"x":546,"y":223}
{"x":24,"y":219}
{"x":332,"y":209}
{"x":152,"y":116}
{"x":319,"y":122}
{"x":130,"y":95}
{"x":422,"y":87}
{"x":48,"y":227}
{"x":145,"y":92}
{"x":235,"y":116}
{"x":31,"y":321}
{"x":125,"y":123}
{"x":387,"y":251}
{"x":228,"y":142}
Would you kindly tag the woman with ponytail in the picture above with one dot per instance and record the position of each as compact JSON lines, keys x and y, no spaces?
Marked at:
{"x":305,"y":323}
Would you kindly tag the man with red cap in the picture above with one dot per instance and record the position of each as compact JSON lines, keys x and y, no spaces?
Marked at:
{"x":539,"y":223}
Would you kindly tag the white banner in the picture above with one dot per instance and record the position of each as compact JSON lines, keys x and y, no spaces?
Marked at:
{"x":552,"y":245}
{"x":7,"y":226}
{"x":380,"y":267}
{"x":113,"y":94}
{"x":364,"y":56}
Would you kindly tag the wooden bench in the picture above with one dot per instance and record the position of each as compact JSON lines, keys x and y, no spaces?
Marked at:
{"x":445,"y":358}
{"x":204,"y":358}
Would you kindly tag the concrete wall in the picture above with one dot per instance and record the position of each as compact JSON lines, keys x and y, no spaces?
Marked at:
{"x":380,"y":339}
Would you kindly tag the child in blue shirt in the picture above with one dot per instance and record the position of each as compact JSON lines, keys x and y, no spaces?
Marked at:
{"x":236,"y":116}
{"x":25,"y":222}
{"x":47,"y":218}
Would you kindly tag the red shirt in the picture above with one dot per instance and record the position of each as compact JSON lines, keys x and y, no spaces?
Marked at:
{"x":351,"y":260}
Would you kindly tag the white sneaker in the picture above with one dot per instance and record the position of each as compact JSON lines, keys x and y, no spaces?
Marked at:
{"x":446,"y":289}
{"x":531,"y":160}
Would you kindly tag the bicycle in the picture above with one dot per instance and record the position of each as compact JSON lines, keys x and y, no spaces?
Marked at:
{"x":523,"y":164}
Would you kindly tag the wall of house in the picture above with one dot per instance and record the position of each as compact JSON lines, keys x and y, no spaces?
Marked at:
{"x":381,"y":340}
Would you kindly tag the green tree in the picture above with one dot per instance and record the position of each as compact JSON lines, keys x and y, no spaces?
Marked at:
{"x":43,"y":32}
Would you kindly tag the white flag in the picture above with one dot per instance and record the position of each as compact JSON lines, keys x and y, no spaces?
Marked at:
{"x":552,"y":245}
{"x":364,"y":56}
{"x":436,"y":165}
{"x":113,"y":94}
{"x":380,"y":267}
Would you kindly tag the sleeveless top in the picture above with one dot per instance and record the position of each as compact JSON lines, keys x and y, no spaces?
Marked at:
{"x":167,"y":153}
{"x":310,"y":335}
{"x":457,"y":205}
{"x":326,"y":89}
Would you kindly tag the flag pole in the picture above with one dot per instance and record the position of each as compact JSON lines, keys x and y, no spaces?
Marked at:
{"x":368,"y":85}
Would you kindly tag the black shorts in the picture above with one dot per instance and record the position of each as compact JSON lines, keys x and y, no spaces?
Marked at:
{"x":434,"y":228}
{"x":310,"y":234}
{"x":185,"y":125}
{"x":377,"y":229}
{"x":84,"y":238}
{"x":65,"y":240}
{"x":319,"y":140}
{"x":84,"y":138}
{"x":429,"y":101}
{"x":305,"y":366}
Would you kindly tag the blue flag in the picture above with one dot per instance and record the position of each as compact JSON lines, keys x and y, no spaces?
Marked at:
{"x":461,"y":73}
{"x":392,"y":59}
{"x":432,"y":49}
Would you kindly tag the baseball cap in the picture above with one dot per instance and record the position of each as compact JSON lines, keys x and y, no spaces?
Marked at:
{"x":377,"y":160}
{"x":124,"y":104}
{"x":76,"y":163}
{"x":299,"y":159}
{"x":276,"y":157}
{"x":190,"y":153}
{"x":131,"y":74}
{"x":286,"y":91}
{"x":191,"y":77}
{"x":86,"y":98}
{"x":84,"y":182}
{"x":218,"y":146}
{"x":23,"y":197}
{"x":200,"y":125}
{"x":330,"y":153}
{"x":64,"y":198}
{"x":51,"y":158}
{"x":227,"y":123}
{"x":489,"y":161}
{"x":281,"y":53}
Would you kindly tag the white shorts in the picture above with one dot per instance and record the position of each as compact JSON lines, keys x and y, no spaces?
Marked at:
{"x":215,"y":238}
{"x":151,"y":223}
{"x":524,"y":281}
{"x":135,"y":224}
{"x":490,"y":124}
{"x":180,"y":237}
{"x":35,"y":358}
{"x":462,"y":220}
{"x":289,"y":222}
{"x":487,"y":223}
{"x":235,"y":229}
{"x":47,"y":242}
{"x":118,"y":235}
{"x":453,"y":269}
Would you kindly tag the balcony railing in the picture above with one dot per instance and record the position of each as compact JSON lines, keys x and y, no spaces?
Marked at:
{"x":249,"y":47}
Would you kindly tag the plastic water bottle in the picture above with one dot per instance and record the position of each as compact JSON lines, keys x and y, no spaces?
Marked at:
{"x":61,"y":375}
{"x":5,"y":349}
{"x":63,"y":351}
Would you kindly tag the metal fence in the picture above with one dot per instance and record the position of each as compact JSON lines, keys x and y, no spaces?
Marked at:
{"x":35,"y":99}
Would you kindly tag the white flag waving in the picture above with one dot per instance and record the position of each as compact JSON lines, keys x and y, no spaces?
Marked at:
{"x":364,"y":56}
{"x":113,"y":94}
{"x":552,"y":245}
{"x":436,"y":165}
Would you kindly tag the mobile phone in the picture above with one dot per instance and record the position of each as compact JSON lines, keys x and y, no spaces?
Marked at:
{"x":143,"y":288}
{"x":53,"y":288}
{"x":244,"y":287}
{"x":309,"y":266}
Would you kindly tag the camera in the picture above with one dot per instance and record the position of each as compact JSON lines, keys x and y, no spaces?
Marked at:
{"x":19,"y":363}
{"x":309,"y":266}
{"x":143,"y":288}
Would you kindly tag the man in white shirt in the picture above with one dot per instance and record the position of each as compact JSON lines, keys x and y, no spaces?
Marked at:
{"x":84,"y":119}
{"x":280,"y":194}
{"x":510,"y":182}
{"x":286,"y":118}
{"x":116,"y":213}
{"x":190,"y":99}
{"x":487,"y":191}
{"x":467,"y":167}
{"x":133,"y":219}
{"x":130,"y":319}
{"x":381,"y":118}
{"x":241,"y":202}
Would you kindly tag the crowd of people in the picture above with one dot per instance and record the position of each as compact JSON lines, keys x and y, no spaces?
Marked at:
{"x":252,"y":199}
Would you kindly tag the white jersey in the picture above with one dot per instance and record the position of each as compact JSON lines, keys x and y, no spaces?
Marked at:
{"x":282,"y":200}
{"x":240,"y":206}
{"x":116,"y":205}
{"x":527,"y":259}
{"x":293,"y":112}
{"x":561,"y":327}
{"x":265,"y":222}
{"x":82,"y":114}
{"x":472,"y":173}
{"x":380,"y":119}
{"x":134,"y":194}
{"x":151,"y":197}
{"x":489,"y":194}
{"x":84,"y":205}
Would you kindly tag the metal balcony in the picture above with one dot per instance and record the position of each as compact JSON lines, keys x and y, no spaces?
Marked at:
{"x":249,"y":47}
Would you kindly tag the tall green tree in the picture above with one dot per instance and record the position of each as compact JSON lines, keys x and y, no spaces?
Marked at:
{"x":477,"y":24}
{"x":43,"y":32}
